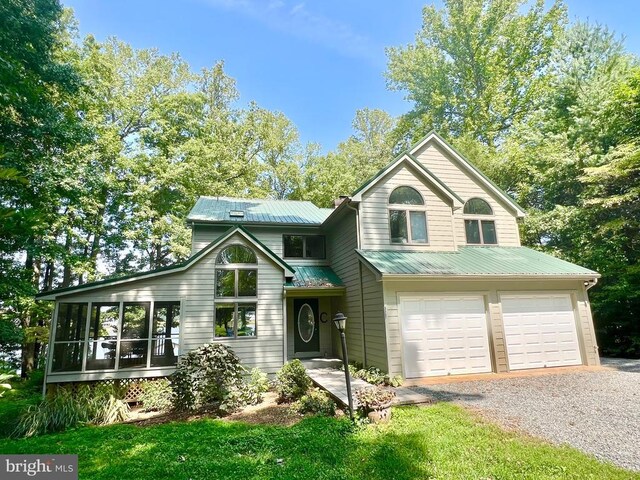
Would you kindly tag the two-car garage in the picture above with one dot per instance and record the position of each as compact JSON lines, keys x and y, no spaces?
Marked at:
{"x":448,"y":334}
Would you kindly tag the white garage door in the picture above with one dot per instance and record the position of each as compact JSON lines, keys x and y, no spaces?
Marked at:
{"x":443,"y":335}
{"x":540,"y":331}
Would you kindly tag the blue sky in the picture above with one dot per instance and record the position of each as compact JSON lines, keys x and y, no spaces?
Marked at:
{"x":317,"y":61}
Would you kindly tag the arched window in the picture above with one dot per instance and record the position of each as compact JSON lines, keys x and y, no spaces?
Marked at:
{"x":480,"y":230}
{"x":477,"y":206}
{"x":236,"y":254}
{"x":236,"y":292}
{"x":407,"y":216}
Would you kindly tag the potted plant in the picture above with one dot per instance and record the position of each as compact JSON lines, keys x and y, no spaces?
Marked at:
{"x":375,"y":402}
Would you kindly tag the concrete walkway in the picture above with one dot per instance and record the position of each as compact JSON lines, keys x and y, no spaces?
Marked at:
{"x":332,"y":380}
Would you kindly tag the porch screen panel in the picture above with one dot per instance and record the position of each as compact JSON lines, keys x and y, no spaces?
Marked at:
{"x":103,"y":333}
{"x":165,"y":333}
{"x":134,"y":343}
{"x":68,"y":344}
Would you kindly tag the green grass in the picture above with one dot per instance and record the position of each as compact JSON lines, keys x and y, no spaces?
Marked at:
{"x":441,"y":441}
{"x":14,"y":402}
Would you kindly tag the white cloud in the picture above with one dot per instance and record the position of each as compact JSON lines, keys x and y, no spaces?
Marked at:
{"x":296,"y":19}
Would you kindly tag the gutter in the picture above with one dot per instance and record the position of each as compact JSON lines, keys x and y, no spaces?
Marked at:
{"x":413,"y":276}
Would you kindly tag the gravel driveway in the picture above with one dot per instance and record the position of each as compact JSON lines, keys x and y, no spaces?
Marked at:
{"x":596,"y":412}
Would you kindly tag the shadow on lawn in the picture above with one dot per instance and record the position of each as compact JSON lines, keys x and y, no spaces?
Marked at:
{"x":316,"y":447}
{"x":447,"y":396}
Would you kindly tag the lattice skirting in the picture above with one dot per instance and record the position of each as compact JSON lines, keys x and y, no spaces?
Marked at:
{"x":132,"y":387}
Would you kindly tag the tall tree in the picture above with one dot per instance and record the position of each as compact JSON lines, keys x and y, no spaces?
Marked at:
{"x":475,"y":68}
{"x":369,"y":148}
{"x":37,"y":127}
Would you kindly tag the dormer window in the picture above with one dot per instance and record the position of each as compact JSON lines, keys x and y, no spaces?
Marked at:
{"x":478,"y":223}
{"x":407,"y":216}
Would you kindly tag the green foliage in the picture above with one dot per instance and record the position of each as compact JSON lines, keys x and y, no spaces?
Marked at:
{"x":257,"y":386}
{"x":156,"y":395}
{"x":374,"y":375}
{"x":315,"y":401}
{"x":292,"y":381}
{"x":64,"y":409}
{"x":374,"y":398}
{"x":355,"y":160}
{"x":476,"y":66}
{"x":209,"y":377}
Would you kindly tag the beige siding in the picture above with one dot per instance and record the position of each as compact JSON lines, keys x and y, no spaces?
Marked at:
{"x":374,"y":213}
{"x":269,"y":236}
{"x":341,"y":245}
{"x":195,"y":288}
{"x":466,"y":187}
{"x":491,"y":291}
{"x":374,"y":327}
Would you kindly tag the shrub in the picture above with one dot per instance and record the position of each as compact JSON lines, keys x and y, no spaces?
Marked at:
{"x":317,"y":402}
{"x":156,"y":395}
{"x":374,"y":375}
{"x":209,"y":377}
{"x":257,"y":386}
{"x":64,"y":408}
{"x":292,"y":381}
{"x":374,"y":398}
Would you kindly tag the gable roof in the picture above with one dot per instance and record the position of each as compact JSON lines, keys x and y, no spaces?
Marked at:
{"x":472,"y":262}
{"x":469,"y":168}
{"x":257,"y":211}
{"x":178,"y":267}
{"x":421,"y":169}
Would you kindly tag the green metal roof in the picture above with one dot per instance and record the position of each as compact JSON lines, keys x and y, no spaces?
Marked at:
{"x":472,"y":261}
{"x":245,"y":210}
{"x":312,"y":276}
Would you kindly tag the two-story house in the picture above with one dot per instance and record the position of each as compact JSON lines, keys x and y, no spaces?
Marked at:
{"x":424,"y":259}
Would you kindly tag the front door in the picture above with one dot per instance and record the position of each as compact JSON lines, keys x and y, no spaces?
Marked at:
{"x":306,"y":326}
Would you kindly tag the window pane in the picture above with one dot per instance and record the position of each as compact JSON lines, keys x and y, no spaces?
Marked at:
{"x":473,"y":231}
{"x":247,"y":320}
{"x":236,"y":254}
{"x":314,"y":246}
{"x":101,"y":355}
{"x":405,"y":196}
{"x":67,"y":357}
{"x":71,"y":322}
{"x":104,"y":321}
{"x":133,"y":354}
{"x":247,"y":283}
{"x":135,"y":320}
{"x":166,"y":319}
{"x":489,"y":232}
{"x":293,"y":246}
{"x":477,"y":206}
{"x":225,"y":283}
{"x":164,"y":351}
{"x":418,"y":227}
{"x":224,"y":320}
{"x":398,"y":226}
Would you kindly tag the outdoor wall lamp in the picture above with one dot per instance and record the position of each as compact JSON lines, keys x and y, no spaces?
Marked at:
{"x":340,"y":322}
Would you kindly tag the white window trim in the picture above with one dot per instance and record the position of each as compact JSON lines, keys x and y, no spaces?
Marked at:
{"x":407,"y":208}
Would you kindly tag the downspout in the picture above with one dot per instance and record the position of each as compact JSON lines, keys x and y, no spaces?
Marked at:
{"x":362,"y":323}
{"x":285,"y":352}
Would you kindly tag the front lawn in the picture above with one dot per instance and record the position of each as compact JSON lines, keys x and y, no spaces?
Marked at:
{"x":441,"y":441}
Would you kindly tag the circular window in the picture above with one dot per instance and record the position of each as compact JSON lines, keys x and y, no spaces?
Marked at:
{"x":306,"y":323}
